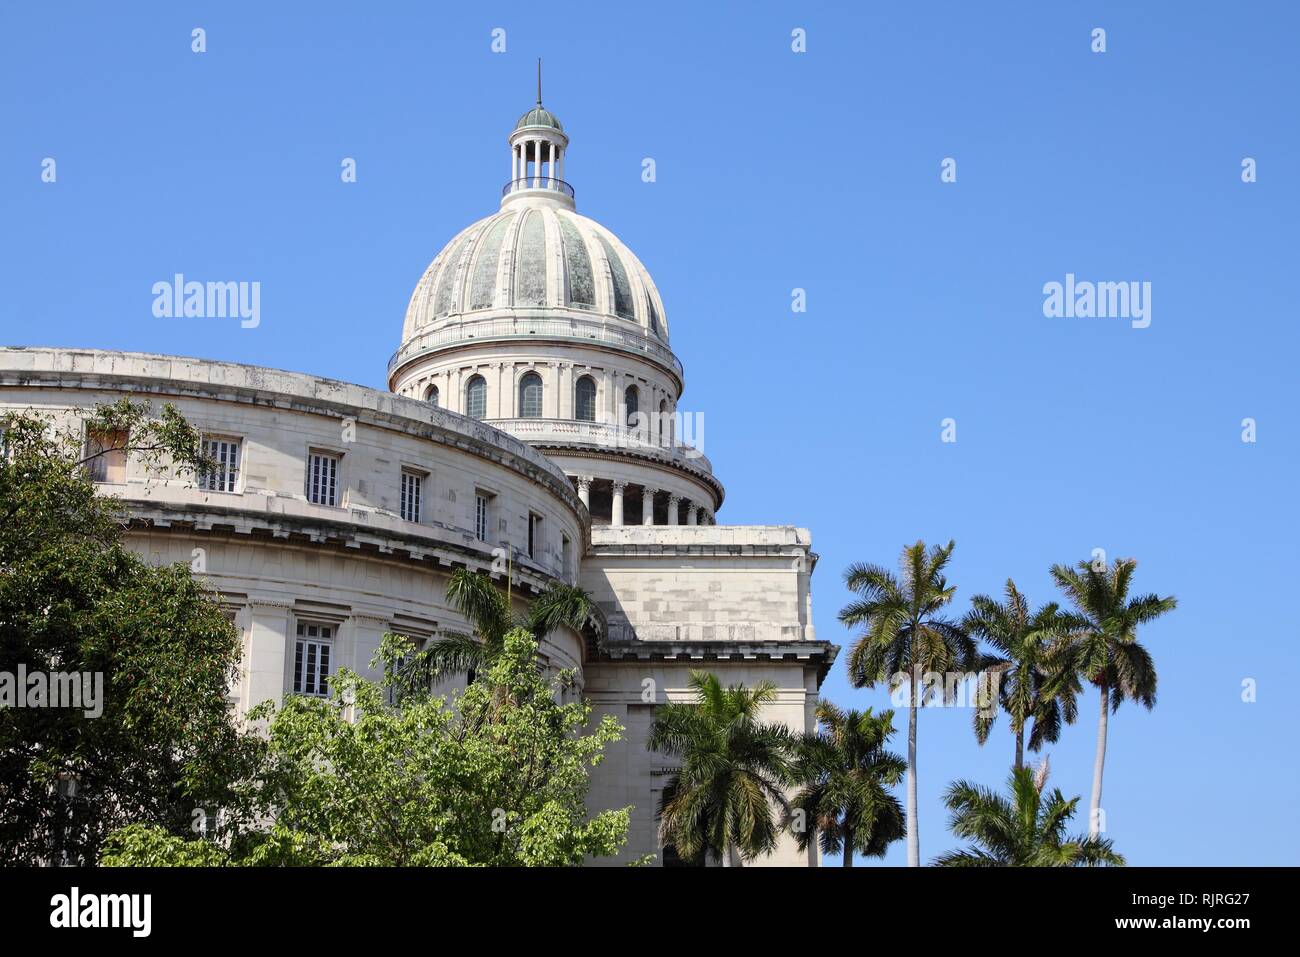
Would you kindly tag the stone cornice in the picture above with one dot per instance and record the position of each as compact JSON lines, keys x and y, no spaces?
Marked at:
{"x":664,"y":462}
{"x":822,"y":654}
{"x":148,"y":374}
{"x":292,"y":529}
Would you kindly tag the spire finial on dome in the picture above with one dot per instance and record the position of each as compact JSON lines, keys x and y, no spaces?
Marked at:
{"x":539,"y":81}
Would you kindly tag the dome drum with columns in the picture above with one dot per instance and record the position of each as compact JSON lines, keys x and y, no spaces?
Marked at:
{"x":543,"y":323}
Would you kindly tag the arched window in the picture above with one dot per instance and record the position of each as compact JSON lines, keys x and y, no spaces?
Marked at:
{"x":530,"y":396}
{"x":584,"y":400}
{"x":431,"y":395}
{"x":476,"y":398}
{"x":665,"y":423}
{"x":632,"y":400}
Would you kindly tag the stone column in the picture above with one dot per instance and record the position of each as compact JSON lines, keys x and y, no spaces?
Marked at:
{"x":673,"y":502}
{"x":549,"y":372}
{"x":648,"y":505}
{"x":584,"y":489}
{"x":610,"y":404}
{"x":566,"y":391}
{"x":616,"y":516}
{"x":268,"y":645}
{"x":692,"y":513}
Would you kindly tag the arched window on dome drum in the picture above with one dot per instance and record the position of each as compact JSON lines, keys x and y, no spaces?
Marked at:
{"x":476,"y":398}
{"x":431,"y":395}
{"x":632,"y":403}
{"x":530,"y":396}
{"x":665,"y":423}
{"x":584,"y":400}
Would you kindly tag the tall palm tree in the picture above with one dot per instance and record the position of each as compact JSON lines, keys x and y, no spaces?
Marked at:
{"x":1104,"y":649}
{"x":1026,"y":831}
{"x":485,"y":606}
{"x":903,"y":637}
{"x":847,"y":772}
{"x":1026,"y":666}
{"x":733,"y":771}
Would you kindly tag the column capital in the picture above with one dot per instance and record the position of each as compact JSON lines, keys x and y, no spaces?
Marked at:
{"x":674,"y":498}
{"x":619,"y":486}
{"x":584,"y":482}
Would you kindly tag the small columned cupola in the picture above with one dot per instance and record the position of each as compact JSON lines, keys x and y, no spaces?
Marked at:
{"x":537,"y":148}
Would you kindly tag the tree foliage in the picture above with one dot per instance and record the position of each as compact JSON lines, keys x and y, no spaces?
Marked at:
{"x":1035,"y":687}
{"x":729,"y":792}
{"x":846,"y":771}
{"x":497,"y":776}
{"x":1027,"y":830}
{"x":74,"y":600}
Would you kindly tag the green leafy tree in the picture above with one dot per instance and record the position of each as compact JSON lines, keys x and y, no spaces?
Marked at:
{"x":1103,"y":648}
{"x":1027,"y":830}
{"x":729,"y":790}
{"x":846,"y":772}
{"x":486,"y":607}
{"x":75,"y":601}
{"x":498,"y":777}
{"x":1032,"y":689}
{"x":904,"y":636}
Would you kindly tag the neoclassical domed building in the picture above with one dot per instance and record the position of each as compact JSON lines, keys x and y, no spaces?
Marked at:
{"x":533,"y":414}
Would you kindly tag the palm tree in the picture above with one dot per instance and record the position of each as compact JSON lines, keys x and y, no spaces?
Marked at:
{"x":847,"y":773}
{"x":733,"y":771}
{"x":485,"y":606}
{"x":1029,"y":687}
{"x":1104,"y":649}
{"x":904,"y":637}
{"x":1026,"y":831}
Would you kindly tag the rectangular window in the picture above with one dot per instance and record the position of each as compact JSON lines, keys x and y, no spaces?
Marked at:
{"x":225,"y":452}
{"x":323,"y":478}
{"x":412,"y":495}
{"x":311,"y":659}
{"x":482,"y":503}
{"x":534,"y":534}
{"x":396,"y":668}
{"x":108,"y":449}
{"x":566,"y":557}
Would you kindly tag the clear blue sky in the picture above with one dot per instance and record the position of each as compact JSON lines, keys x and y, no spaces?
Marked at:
{"x":776,"y":171}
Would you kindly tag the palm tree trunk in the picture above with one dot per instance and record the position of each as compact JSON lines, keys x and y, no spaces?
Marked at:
{"x":848,"y":848}
{"x":1020,"y":748}
{"x":1094,"y":822}
{"x":913,"y":838}
{"x":726,"y":856}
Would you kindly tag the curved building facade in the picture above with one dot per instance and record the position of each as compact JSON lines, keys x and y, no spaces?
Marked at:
{"x":532,"y":414}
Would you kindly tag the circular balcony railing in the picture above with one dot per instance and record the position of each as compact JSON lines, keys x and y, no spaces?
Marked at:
{"x":537,"y":182}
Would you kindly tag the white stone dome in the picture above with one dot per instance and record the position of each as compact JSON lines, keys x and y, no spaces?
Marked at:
{"x":535,"y":257}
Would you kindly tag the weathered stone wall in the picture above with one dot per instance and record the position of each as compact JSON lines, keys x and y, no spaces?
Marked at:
{"x":702,"y":583}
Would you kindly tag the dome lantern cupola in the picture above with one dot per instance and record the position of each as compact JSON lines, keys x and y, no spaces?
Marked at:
{"x":537,"y":148}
